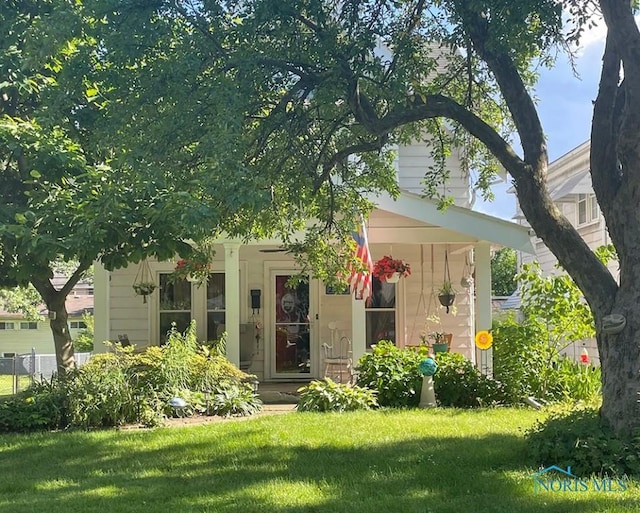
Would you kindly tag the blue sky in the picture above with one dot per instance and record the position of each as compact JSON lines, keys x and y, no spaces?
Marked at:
{"x":565,"y":109}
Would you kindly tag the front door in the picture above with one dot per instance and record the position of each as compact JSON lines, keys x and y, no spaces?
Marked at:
{"x":291,"y":352}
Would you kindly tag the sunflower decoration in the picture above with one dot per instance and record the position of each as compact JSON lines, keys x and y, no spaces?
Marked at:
{"x":484,"y":339}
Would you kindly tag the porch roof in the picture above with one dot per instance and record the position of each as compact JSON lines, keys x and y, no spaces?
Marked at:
{"x":454,"y":225}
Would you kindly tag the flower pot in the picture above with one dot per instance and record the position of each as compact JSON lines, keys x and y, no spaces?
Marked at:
{"x":394,"y":278}
{"x":447,"y":300}
{"x":441,"y":347}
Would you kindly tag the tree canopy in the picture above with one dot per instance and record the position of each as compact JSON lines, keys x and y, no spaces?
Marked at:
{"x":63,"y":197}
{"x":268,"y":114}
{"x":298,"y":105}
{"x":504,"y":267}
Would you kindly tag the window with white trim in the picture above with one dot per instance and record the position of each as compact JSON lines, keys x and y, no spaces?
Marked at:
{"x":175,"y":304}
{"x":587,"y":209}
{"x":381,"y":313}
{"x":29,"y":325}
{"x":77,"y":325}
{"x":216,"y":316}
{"x":7,"y":325}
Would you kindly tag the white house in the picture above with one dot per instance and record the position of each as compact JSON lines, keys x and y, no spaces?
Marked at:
{"x":20,"y":336}
{"x":570,"y":188}
{"x":277,"y":332}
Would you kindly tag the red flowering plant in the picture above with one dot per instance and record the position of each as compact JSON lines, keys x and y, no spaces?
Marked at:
{"x":387,"y":266}
{"x":193,"y":269}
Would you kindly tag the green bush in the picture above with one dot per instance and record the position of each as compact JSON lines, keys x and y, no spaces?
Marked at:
{"x":577,"y":382}
{"x":328,"y":395}
{"x":83,"y":343}
{"x":460,"y":384}
{"x":37,"y":409}
{"x":122,"y":387}
{"x":527,"y":365}
{"x":234,"y":399}
{"x":100,"y":394}
{"x":522,"y":361}
{"x":578,"y":438}
{"x":392,"y":373}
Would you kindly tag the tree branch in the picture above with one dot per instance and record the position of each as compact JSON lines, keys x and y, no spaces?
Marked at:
{"x":605,"y":171}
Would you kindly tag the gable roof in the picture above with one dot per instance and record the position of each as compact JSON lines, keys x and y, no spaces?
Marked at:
{"x":460,"y":224}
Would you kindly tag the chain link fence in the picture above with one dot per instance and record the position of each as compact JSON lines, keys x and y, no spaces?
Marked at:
{"x":19,"y":371}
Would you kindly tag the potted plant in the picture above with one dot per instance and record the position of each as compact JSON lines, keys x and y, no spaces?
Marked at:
{"x":195,"y":270}
{"x":441,"y":341}
{"x":391,"y":269}
{"x":144,"y":288}
{"x":143,"y":284}
{"x":446,"y":294}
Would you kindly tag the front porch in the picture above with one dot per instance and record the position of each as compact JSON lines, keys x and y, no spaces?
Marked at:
{"x":280,"y":332}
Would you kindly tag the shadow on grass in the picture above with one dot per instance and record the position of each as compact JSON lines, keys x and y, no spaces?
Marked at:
{"x":269,"y":465}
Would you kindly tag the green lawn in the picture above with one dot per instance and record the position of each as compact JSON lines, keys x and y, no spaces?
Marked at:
{"x":401,"y":461}
{"x":7,"y":384}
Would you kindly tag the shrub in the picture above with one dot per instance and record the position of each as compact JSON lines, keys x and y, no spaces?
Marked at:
{"x":577,"y":382}
{"x":527,"y":365}
{"x":235,"y":399}
{"x":460,"y":384}
{"x":578,"y":438}
{"x":522,"y":360}
{"x":83,"y":343}
{"x":392,"y":373}
{"x":36,"y":409}
{"x":328,"y":395}
{"x":100,"y":394}
{"x":121,"y":387}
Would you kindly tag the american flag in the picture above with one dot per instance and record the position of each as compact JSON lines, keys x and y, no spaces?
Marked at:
{"x":360,"y":280}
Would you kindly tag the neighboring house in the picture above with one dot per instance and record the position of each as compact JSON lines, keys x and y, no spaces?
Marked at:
{"x":19,"y":335}
{"x":570,"y":188}
{"x":278,"y":332}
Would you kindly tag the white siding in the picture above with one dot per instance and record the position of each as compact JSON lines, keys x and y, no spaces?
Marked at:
{"x":23,"y":341}
{"x":130,"y":316}
{"x":413,"y":162}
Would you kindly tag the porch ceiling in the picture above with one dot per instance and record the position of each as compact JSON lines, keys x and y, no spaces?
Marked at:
{"x":454,"y":225}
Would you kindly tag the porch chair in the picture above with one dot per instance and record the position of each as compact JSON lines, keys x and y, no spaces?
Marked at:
{"x":338,"y":356}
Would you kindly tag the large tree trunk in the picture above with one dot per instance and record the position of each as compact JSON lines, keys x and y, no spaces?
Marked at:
{"x":620,"y":361}
{"x":55,"y":300}
{"x":61,"y":337}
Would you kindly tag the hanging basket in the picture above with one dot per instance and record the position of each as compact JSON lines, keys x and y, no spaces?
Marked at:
{"x":390,"y":269}
{"x":446,"y":299}
{"x":143,"y":285}
{"x":446,"y":294}
{"x":394,"y":278}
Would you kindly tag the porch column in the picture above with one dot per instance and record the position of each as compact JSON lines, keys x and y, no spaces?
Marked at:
{"x":232,"y":300}
{"x":358,"y":328}
{"x":101,"y":313}
{"x":483,"y":302}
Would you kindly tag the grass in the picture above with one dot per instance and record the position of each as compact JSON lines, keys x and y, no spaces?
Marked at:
{"x":7,"y":384}
{"x":389,"y":461}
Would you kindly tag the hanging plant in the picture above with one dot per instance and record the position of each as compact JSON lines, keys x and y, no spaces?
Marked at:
{"x":195,"y":270}
{"x":143,"y":284}
{"x":391,"y":269}
{"x":446,"y":293}
{"x":467,"y":274}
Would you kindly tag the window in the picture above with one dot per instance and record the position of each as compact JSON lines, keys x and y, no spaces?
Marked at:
{"x":381,"y":313}
{"x":587,"y":209}
{"x":215,"y":306}
{"x":28,"y":325}
{"x":7,"y":326}
{"x":175,"y":305}
{"x":77,"y":325}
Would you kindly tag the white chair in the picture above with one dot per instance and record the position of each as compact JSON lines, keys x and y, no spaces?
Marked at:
{"x":338,"y":356}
